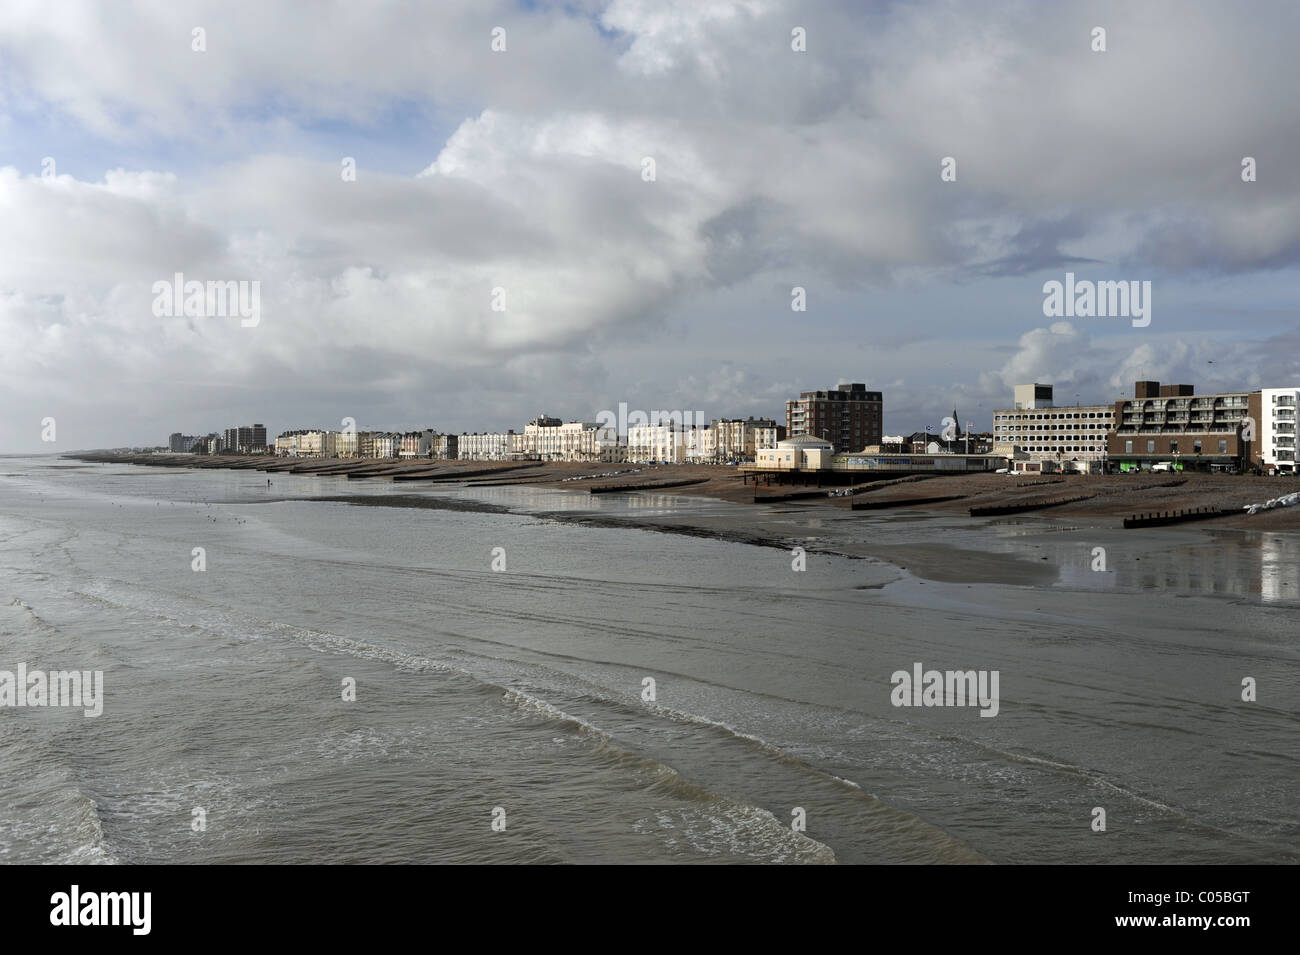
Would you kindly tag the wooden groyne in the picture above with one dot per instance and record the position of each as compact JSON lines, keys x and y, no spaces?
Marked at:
{"x":870,"y":486}
{"x":788,"y":496}
{"x":1160,"y":518}
{"x":1148,"y":487}
{"x":374,"y":472}
{"x":997,"y":510}
{"x":905,"y":502}
{"x":651,"y":486}
{"x":459,"y":474}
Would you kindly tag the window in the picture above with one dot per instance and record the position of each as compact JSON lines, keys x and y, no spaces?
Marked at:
{"x":1196,"y":446}
{"x":1128,"y":447}
{"x":1223,"y":445}
{"x":1151,"y":446}
{"x":1173,"y":447}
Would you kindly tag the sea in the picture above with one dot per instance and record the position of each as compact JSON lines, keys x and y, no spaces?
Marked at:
{"x":333,"y":671}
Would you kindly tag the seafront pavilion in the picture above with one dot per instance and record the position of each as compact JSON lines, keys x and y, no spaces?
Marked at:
{"x":849,"y":468}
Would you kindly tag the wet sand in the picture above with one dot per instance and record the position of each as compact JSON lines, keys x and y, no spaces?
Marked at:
{"x":1105,"y":499}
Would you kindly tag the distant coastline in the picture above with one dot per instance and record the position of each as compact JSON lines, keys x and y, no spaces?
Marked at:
{"x":1101,"y":501}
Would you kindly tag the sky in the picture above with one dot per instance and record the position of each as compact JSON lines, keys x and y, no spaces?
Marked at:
{"x":616,"y":206}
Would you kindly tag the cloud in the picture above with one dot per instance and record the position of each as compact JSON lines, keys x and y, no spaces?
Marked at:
{"x":772,"y":167}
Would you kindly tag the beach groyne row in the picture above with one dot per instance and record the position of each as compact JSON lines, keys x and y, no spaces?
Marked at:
{"x":459,"y":474}
{"x":870,"y":486}
{"x":998,"y":510}
{"x":846,"y":492}
{"x":905,"y":502}
{"x":789,"y":496}
{"x":645,"y":486}
{"x":1161,"y":518}
{"x":351,"y":469}
{"x":1178,"y":483}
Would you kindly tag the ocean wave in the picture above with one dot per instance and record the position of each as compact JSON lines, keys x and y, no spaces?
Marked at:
{"x":55,"y":821}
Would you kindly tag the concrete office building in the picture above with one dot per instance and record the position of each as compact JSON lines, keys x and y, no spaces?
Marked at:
{"x":1037,"y":435}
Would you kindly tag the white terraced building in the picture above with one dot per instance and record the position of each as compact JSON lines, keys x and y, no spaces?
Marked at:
{"x":489,"y":446}
{"x":550,"y":439}
{"x":738,"y":439}
{"x":652,"y":443}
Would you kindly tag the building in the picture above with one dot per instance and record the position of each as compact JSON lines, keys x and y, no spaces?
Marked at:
{"x":445,"y":447}
{"x":850,"y":417}
{"x":387,"y":444}
{"x":795,"y":453}
{"x":246,"y":439}
{"x":537,"y":438}
{"x":655,"y":444}
{"x":612,"y":451}
{"x":932,"y":441}
{"x":317,"y":444}
{"x":347,"y":444}
{"x":1039,"y":436}
{"x":766,"y":436}
{"x":550,"y":439}
{"x":181,"y":443}
{"x":890,"y":444}
{"x":417,"y":444}
{"x":737,"y":439}
{"x":1274,"y":411}
{"x":1169,"y":423}
{"x":489,"y":446}
{"x":802,"y":456}
{"x":583,"y":440}
{"x":699,"y":444}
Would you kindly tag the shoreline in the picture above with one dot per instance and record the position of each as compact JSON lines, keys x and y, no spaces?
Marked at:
{"x":1102,"y":501}
{"x":936,"y":542}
